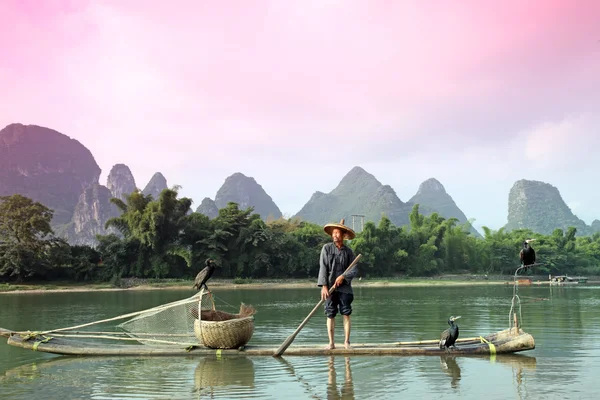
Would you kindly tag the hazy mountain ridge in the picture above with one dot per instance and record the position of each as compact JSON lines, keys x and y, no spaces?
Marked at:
{"x":46,"y":166}
{"x":62,"y":173}
{"x":360,"y":193}
{"x":155,"y":186}
{"x":432,"y":194}
{"x":540,"y":207}
{"x":244,"y":191}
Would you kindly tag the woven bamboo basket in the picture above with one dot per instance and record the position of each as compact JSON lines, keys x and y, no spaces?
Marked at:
{"x":221,"y":330}
{"x":230,"y":334}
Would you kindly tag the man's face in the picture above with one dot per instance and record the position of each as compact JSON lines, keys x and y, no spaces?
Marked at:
{"x":337,"y":236}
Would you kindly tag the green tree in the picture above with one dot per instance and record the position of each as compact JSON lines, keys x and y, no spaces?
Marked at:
{"x":25,"y":235}
{"x":155,"y":229}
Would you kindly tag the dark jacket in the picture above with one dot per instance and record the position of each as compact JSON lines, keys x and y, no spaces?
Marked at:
{"x":333,"y":262}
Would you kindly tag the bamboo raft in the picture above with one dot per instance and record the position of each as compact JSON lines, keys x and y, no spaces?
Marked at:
{"x":164,"y":330}
{"x":502,"y":342}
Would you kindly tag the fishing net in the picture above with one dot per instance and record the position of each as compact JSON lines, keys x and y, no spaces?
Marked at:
{"x":193,"y":321}
{"x":171,"y":323}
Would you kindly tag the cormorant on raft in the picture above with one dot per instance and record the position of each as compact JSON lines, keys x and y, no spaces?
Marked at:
{"x":527,"y":253}
{"x":204,"y":275}
{"x":450,"y":335}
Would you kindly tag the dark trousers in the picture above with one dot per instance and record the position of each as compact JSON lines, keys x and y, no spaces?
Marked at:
{"x":338,"y":301}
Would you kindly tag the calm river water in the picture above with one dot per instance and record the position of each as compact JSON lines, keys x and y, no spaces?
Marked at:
{"x":565,"y":322}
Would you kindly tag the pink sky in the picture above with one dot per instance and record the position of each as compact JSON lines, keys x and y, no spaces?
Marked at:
{"x":402,"y":88}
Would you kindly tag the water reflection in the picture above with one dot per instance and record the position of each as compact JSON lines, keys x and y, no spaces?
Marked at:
{"x":333,"y":389}
{"x":346,"y":391}
{"x":308,"y":386}
{"x":28,"y":371}
{"x":517,"y":361}
{"x":520,"y":364}
{"x":220,"y":373}
{"x":565,"y":328}
{"x":451,"y":367}
{"x":114,"y":377}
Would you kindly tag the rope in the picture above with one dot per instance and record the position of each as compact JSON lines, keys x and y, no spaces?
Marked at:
{"x":512,"y":321}
{"x":223,"y":301}
{"x":491,"y":345}
{"x":29,"y":335}
{"x":34,"y":335}
{"x":36,"y":344}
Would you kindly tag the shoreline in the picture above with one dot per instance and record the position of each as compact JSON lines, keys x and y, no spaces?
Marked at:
{"x":64,"y":287}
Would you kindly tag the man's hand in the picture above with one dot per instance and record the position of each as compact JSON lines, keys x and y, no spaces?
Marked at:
{"x":339,"y":281}
{"x":324,"y":292}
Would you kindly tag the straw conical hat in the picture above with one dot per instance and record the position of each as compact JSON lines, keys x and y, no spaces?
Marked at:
{"x":348,"y":233}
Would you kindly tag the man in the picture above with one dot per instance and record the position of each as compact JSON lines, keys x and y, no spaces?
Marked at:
{"x":527,"y":254}
{"x":335,"y":259}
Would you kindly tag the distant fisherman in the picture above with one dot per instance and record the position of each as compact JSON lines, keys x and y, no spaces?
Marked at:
{"x":527,"y":253}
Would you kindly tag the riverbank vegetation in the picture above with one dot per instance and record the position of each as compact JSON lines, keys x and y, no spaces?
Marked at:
{"x":162,"y":239}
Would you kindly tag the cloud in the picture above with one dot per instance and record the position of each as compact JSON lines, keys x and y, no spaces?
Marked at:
{"x":570,"y":141}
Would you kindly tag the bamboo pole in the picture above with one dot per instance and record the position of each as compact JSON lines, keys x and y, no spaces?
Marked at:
{"x":125,"y":338}
{"x":74,"y":333}
{"x":434,"y":341}
{"x":5,"y":332}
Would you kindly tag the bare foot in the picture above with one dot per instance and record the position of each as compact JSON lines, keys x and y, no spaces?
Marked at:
{"x":330,"y":346}
{"x":347,"y":346}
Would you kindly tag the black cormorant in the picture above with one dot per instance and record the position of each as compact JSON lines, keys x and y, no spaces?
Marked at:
{"x":527,"y":253}
{"x":204,"y":275}
{"x":450,"y":335}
